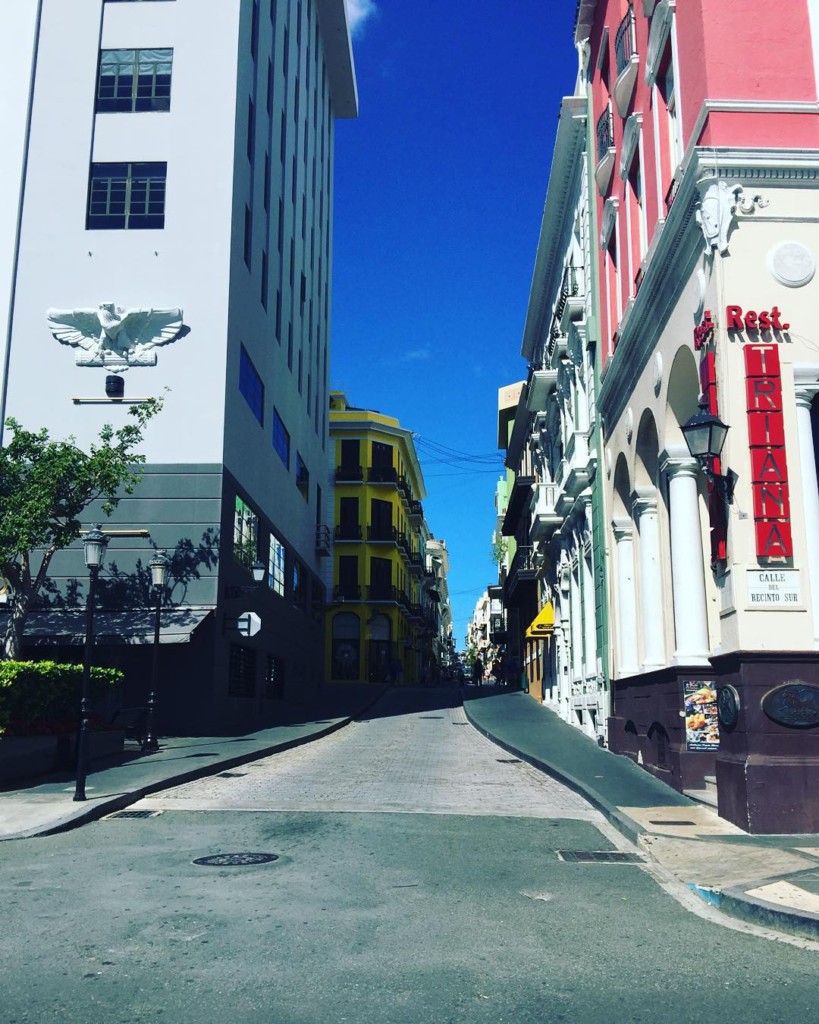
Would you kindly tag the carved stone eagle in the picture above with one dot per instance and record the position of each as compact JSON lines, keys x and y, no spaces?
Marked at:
{"x":115,"y":337}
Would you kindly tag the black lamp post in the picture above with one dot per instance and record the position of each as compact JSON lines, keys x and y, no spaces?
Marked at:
{"x":94,"y":544}
{"x":705,"y":435}
{"x":159,"y":576}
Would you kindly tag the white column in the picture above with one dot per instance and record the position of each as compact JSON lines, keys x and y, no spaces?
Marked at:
{"x":687,"y":572}
{"x":644,"y":505}
{"x":806,"y":379}
{"x":626,"y":599}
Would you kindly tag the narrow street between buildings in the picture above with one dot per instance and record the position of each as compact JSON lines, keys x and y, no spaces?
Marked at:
{"x":421,"y":874}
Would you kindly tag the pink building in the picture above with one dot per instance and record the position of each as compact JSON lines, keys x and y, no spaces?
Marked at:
{"x":705,"y":167}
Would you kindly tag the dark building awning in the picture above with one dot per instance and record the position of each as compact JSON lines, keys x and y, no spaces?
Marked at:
{"x":121,"y":627}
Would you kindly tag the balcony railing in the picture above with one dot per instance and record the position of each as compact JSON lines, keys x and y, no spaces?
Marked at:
{"x":323,"y":539}
{"x":605,"y":135}
{"x":416,"y":510}
{"x":347,"y":592}
{"x":624,"y":42}
{"x":382,"y":592}
{"x":349,"y":474}
{"x":382,"y":475}
{"x":348,"y":531}
{"x":381,"y":533}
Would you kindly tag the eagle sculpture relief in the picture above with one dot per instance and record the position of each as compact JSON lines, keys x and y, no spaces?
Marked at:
{"x":115,"y":337}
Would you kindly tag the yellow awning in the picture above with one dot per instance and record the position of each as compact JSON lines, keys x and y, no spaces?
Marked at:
{"x":543,"y":624}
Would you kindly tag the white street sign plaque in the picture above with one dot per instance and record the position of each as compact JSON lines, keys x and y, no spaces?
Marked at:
{"x":774,"y":588}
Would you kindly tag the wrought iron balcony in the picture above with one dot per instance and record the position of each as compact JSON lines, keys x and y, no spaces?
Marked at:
{"x":324,"y":540}
{"x":382,"y":475}
{"x":380,"y":534}
{"x":625,"y":53}
{"x":605,"y":134}
{"x":347,"y":592}
{"x":348,"y":531}
{"x":349,"y":474}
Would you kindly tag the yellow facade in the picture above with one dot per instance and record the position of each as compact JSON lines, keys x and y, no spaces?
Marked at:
{"x":380,"y":617}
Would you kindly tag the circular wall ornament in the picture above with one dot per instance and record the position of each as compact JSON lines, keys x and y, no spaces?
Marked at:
{"x":728,"y":706}
{"x":629,"y":425}
{"x":657,"y":373}
{"x":792,"y":264}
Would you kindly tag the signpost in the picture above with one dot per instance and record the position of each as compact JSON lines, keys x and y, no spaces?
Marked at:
{"x":248,"y":623}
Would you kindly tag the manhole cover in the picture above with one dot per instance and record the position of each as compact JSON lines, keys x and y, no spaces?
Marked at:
{"x":235,"y":860}
{"x":599,"y":857}
{"x":231,"y":775}
{"x":134,"y":814}
{"x":661,"y":821}
{"x":210,"y":753}
{"x":508,"y":760}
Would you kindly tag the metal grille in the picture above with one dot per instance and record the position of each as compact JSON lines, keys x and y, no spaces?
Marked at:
{"x":599,"y":857}
{"x":235,"y":860}
{"x":135,"y":814}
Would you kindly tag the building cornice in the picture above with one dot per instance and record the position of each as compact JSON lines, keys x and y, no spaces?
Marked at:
{"x":564,"y":182}
{"x":338,"y":55}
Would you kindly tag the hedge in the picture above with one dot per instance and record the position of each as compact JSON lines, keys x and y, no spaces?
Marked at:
{"x":32,"y":690}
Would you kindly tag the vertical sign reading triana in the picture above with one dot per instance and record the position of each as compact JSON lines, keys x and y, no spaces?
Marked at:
{"x":769,"y":467}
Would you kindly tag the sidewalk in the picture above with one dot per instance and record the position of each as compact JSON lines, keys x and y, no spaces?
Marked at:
{"x":769,"y":880}
{"x":49,"y":807}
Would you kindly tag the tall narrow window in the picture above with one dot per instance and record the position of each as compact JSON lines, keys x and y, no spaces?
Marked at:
{"x":245,"y":533}
{"x":276,"y":566}
{"x":250,"y":385}
{"x":281,"y":439}
{"x":127,"y":196}
{"x":248,"y":241}
{"x":265,"y":276}
{"x":134,"y":80}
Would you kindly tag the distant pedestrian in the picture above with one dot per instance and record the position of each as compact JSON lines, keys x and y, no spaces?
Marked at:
{"x":512,"y":672}
{"x":477,"y":672}
{"x":497,"y":672}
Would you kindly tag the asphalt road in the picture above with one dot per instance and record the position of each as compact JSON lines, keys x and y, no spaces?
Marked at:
{"x":418,"y":880}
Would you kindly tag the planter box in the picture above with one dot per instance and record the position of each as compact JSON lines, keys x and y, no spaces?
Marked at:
{"x":26,"y":757}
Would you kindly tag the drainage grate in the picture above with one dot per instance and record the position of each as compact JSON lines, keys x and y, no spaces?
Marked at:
{"x":231,"y":775}
{"x":134,"y":814}
{"x":599,"y":857}
{"x":663,"y":821}
{"x":430,"y":717}
{"x":235,"y":860}
{"x":508,"y":760}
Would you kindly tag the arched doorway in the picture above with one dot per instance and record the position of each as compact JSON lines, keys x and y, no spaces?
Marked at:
{"x":379,"y":648}
{"x":346,"y":640}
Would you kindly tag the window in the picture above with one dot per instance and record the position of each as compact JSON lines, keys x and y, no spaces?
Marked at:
{"x":242,"y":671}
{"x":281,"y":439}
{"x":265,"y":276}
{"x":274,"y":679}
{"x":276,"y":566}
{"x":250,"y":385}
{"x":299,"y":584}
{"x":251,"y":129}
{"x":302,"y":476}
{"x":245,"y":533}
{"x":248,"y":242}
{"x":127,"y":196}
{"x":134,"y":80}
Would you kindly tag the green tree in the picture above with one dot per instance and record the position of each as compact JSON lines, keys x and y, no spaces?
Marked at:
{"x":45,"y":485}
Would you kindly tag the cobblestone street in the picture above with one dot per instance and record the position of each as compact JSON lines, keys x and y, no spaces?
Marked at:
{"x":428,"y":761}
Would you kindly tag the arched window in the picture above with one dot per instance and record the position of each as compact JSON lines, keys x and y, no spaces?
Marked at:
{"x":346,"y":662}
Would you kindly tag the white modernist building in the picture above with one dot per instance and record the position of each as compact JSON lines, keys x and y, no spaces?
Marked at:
{"x":165,"y":227}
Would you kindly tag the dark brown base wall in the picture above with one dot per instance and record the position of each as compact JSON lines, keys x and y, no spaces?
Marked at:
{"x":648,"y":725}
{"x":767,"y":771}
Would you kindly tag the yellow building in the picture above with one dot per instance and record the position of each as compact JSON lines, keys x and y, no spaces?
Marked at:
{"x":383,"y":615}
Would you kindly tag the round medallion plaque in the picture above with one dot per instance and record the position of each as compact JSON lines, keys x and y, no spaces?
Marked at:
{"x":727,"y":706}
{"x":792,"y":264}
{"x":794,"y":704}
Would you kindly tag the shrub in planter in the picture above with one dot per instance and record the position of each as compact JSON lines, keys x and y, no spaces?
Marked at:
{"x":34,"y":692}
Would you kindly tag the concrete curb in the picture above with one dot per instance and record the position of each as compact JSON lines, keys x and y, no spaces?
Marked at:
{"x":733,"y":901}
{"x":622,"y":822}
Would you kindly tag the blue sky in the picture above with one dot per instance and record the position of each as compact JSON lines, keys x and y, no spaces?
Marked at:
{"x":439,"y":190}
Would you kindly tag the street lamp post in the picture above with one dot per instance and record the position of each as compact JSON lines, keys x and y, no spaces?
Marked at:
{"x":94,"y":544}
{"x":159,"y":576}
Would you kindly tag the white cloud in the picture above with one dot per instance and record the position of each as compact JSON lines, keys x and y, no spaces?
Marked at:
{"x":415,"y":355}
{"x":358,"y":12}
